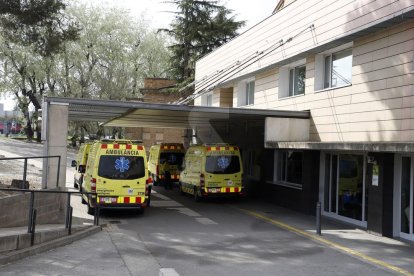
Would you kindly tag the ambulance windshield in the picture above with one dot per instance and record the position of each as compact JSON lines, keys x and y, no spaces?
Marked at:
{"x":121,"y":167}
{"x":222,"y":164}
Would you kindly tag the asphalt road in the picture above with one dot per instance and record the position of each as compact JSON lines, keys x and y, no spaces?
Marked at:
{"x":216,"y":238}
{"x":29,"y":149}
{"x":213,"y":237}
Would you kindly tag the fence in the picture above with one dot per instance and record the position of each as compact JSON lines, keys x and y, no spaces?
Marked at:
{"x":9,"y":171}
{"x":32,"y":213}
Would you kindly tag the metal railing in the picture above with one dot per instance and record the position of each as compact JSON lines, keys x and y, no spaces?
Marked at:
{"x":35,"y":157}
{"x":31,"y":225}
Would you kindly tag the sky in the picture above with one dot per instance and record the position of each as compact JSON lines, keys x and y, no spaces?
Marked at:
{"x":156,"y":13}
{"x":157,"y":10}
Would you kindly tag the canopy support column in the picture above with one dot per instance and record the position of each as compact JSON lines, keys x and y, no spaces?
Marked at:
{"x":54,"y":136}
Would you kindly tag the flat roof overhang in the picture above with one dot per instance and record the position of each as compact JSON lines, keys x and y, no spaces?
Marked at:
{"x":390,"y":147}
{"x":142,"y":114}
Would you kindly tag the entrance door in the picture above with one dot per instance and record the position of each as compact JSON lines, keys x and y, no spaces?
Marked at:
{"x":345,"y":190}
{"x":406,"y":198}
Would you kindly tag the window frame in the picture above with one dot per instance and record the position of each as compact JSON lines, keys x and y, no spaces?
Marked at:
{"x":209,"y":99}
{"x":288,"y":79}
{"x":328,"y":74}
{"x":293,"y":81}
{"x":242,"y":95}
{"x":280,"y":176}
{"x":320,"y":67}
{"x":250,"y":89}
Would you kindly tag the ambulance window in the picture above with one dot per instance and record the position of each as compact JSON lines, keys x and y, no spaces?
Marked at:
{"x":222,"y":164}
{"x":173,"y":158}
{"x":121,"y":167}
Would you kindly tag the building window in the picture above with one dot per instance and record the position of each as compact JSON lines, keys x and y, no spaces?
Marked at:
{"x":250,"y":93}
{"x":292,"y":79}
{"x":297,"y":80}
{"x":289,"y":167}
{"x":209,"y":100}
{"x":245,"y":92}
{"x":337,"y":69}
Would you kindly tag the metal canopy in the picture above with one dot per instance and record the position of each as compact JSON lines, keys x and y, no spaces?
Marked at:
{"x":143,"y":114}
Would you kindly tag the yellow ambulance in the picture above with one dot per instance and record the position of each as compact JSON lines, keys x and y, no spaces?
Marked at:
{"x":80,"y":164}
{"x":117,"y":171}
{"x":165,"y":157}
{"x":212,"y":170}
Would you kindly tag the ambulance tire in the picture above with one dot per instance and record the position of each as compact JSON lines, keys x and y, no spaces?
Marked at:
{"x":149,"y":196}
{"x":181,"y":189}
{"x":197,"y":197}
{"x":140,"y":211}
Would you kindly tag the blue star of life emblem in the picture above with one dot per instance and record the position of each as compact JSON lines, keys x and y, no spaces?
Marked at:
{"x":122,"y":164}
{"x":223,"y":162}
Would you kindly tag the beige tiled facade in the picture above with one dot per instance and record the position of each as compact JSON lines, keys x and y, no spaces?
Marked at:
{"x":367,"y":121}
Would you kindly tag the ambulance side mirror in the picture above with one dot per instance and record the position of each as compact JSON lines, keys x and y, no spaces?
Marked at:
{"x":74,"y":163}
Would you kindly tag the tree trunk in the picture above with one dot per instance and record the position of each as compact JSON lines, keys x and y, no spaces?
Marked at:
{"x":35,"y":119}
{"x":28,"y":127}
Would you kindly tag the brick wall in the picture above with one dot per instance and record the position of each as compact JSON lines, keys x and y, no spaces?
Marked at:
{"x":157,"y":83}
{"x":154,"y":93}
{"x":157,"y":96}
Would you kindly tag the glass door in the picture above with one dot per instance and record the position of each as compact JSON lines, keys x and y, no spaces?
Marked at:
{"x":406,"y":198}
{"x":345,"y":190}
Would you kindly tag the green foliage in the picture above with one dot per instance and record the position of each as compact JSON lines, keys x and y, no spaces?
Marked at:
{"x":37,"y":23}
{"x":199,"y":27}
{"x":32,"y":32}
{"x":109,"y":58}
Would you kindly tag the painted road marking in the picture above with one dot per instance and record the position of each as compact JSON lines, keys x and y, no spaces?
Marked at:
{"x":187,"y":212}
{"x":206,"y":221}
{"x":168,"y":272}
{"x":165,"y":203}
{"x":329,"y":243}
{"x":168,"y":202}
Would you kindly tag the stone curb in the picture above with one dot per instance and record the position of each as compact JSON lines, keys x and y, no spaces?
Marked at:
{"x":30,"y":251}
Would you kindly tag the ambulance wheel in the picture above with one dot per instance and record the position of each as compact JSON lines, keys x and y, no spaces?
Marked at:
{"x":197,"y":197}
{"x":91,"y":210}
{"x":181,"y":189}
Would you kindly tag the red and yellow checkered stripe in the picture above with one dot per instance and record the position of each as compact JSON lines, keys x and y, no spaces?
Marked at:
{"x":173,"y":177}
{"x":222,"y":148}
{"x":223,"y":190}
{"x":171,"y":147}
{"x":122,"y":146}
{"x":125,"y":199}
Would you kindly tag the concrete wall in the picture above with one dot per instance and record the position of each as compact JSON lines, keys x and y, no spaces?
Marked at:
{"x":286,"y":129}
{"x":51,"y":209}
